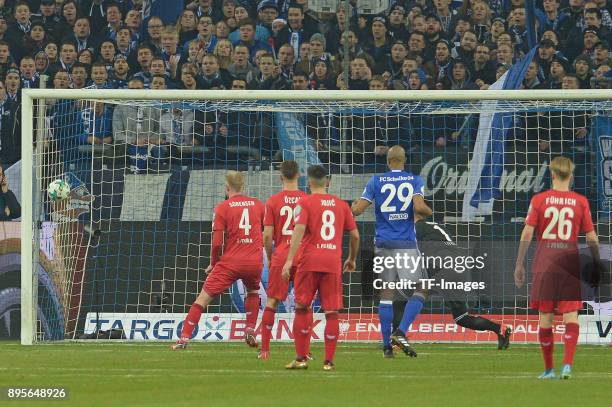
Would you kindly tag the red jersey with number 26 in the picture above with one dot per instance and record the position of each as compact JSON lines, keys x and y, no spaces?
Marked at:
{"x":241,"y":218}
{"x":280,"y":209}
{"x":559,"y":216}
{"x":326,"y":218}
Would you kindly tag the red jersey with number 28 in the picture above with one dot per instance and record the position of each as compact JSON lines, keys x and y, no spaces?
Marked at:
{"x":326,"y":218}
{"x":241,"y":218}
{"x":280,"y":209}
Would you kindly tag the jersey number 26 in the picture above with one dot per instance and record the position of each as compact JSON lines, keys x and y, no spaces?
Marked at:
{"x":562,"y":218}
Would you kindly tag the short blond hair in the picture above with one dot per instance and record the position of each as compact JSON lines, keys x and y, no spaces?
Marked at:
{"x":562,"y":167}
{"x":234,"y":180}
{"x":170,"y":30}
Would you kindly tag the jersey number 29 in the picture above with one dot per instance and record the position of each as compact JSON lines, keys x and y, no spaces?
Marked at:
{"x":403,"y":192}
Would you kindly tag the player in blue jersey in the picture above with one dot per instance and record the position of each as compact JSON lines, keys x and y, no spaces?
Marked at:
{"x":397,"y":196}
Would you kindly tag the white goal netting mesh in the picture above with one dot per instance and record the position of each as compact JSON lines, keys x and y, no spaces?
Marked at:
{"x":127,"y":250}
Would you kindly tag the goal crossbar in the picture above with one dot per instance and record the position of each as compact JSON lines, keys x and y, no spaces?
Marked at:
{"x":322,"y":95}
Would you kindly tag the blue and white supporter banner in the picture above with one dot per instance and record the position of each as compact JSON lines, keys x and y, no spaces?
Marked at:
{"x":294,"y":142}
{"x":487,"y":163}
{"x":602,"y":129}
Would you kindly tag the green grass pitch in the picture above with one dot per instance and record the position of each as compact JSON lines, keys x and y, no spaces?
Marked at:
{"x":222,"y":374}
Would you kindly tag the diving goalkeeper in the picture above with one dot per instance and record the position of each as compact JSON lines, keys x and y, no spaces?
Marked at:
{"x":433,"y":238}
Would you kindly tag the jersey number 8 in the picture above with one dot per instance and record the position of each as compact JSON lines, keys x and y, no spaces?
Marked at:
{"x":328,"y":230}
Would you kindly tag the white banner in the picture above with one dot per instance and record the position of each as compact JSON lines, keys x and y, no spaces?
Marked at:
{"x":212,"y":327}
{"x":594,"y":329}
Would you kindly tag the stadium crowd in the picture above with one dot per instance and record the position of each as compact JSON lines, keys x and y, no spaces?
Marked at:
{"x":269,"y":44}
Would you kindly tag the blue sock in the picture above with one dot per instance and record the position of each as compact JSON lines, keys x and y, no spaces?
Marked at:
{"x":413,"y":307}
{"x":385,"y":316}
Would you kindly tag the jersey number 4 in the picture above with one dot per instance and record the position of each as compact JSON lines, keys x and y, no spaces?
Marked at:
{"x":562,"y":218}
{"x":403,"y":192}
{"x":245,"y":223}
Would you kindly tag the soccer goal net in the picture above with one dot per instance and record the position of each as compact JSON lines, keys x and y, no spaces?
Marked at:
{"x":123,"y":254}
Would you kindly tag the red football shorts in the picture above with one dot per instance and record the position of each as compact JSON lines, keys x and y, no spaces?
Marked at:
{"x":560,"y":292}
{"x":223,"y":276}
{"x":277,"y":287}
{"x":560,"y":307}
{"x":329,"y":286}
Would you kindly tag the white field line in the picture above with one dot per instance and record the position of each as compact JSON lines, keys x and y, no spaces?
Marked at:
{"x":314,"y":366}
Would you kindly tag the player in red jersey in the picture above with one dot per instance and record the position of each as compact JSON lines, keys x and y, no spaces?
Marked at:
{"x":237,"y":229}
{"x":320,"y":222}
{"x":278,"y":227}
{"x":558,"y":216}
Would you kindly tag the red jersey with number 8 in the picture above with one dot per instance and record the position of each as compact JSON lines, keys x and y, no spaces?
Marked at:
{"x":326,"y":218}
{"x":241,"y":218}
{"x":280,"y":209}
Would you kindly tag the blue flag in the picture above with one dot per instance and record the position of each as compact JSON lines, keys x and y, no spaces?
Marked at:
{"x":602,"y":136}
{"x":294,"y":142}
{"x":487,"y":164}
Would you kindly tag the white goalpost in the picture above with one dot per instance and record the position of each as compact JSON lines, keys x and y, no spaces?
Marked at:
{"x":124,"y":253}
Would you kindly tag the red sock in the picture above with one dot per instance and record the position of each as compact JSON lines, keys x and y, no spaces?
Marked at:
{"x":301,"y":332}
{"x":310,"y":318}
{"x":251,"y":306}
{"x":332,"y":329}
{"x":547,"y":343}
{"x":192,"y":319}
{"x":570,"y":338}
{"x":267,"y":322}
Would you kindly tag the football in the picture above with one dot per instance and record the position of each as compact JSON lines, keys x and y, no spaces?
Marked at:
{"x":58,"y":189}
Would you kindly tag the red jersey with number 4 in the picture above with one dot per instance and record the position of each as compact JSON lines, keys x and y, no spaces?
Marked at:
{"x":280,"y":209}
{"x":241,"y":218}
{"x":558,"y":217}
{"x":326,"y":218}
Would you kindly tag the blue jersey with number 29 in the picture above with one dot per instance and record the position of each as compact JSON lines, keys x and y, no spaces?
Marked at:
{"x":392,"y":193}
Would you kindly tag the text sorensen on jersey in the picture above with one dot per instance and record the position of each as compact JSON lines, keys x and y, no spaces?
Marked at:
{"x":241,"y":203}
